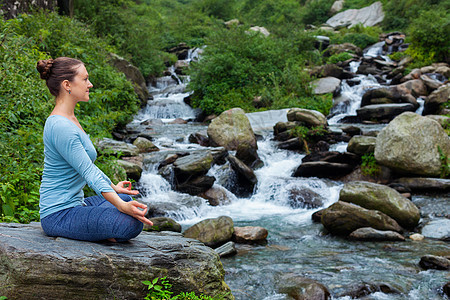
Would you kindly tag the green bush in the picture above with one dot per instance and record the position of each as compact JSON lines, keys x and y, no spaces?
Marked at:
{"x":316,"y":11}
{"x":335,"y":58}
{"x":26,"y":102}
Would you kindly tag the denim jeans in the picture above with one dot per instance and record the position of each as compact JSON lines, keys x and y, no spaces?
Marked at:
{"x":98,"y":220}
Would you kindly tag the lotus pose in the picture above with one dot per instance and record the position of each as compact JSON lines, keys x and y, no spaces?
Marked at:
{"x":69,"y":164}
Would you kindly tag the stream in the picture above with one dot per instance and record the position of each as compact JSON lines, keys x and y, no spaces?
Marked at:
{"x":295,"y":243}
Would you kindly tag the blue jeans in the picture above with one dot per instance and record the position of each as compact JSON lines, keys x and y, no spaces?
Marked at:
{"x":98,"y":220}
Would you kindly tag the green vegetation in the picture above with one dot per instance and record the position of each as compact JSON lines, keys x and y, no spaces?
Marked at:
{"x":369,"y":165}
{"x":160,"y":289}
{"x":445,"y":164}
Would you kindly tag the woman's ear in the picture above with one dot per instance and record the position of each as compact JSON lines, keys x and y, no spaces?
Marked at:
{"x":66,"y":85}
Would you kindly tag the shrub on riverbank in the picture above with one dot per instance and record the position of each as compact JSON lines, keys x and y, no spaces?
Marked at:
{"x":26,"y":102}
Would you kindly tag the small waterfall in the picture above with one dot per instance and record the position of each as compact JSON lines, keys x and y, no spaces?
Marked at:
{"x":376,"y":50}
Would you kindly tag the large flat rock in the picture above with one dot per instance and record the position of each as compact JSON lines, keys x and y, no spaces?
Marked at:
{"x":35,"y":266}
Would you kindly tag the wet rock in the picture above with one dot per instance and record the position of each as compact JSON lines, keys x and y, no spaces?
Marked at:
{"x":181,"y":51}
{"x":250,"y":235}
{"x":381,"y":198}
{"x":226,"y":250}
{"x":246,"y":176}
{"x":365,"y":289}
{"x":432,"y":84}
{"x":438,"y":228}
{"x":283,"y":127}
{"x":322,"y":169}
{"x":295,"y":143}
{"x":248,"y":155}
{"x":212,"y":232}
{"x":196,"y":186}
{"x":432,"y":185}
{"x":333,"y":157}
{"x":352,"y":130}
{"x":144,"y":145}
{"x":435,"y":100}
{"x":194,"y":164}
{"x":216,"y":195}
{"x":342,"y":218}
{"x":326,"y":85}
{"x":306,"y":116}
{"x":199,"y":138}
{"x":328,"y":70}
{"x":300,"y":288}
{"x":304,"y":198}
{"x":434,"y":262}
{"x":446,"y":289}
{"x":110,"y":146}
{"x":409,"y":144}
{"x":35,"y":266}
{"x":133,"y":170}
{"x":388,"y":95}
{"x":231,"y":129}
{"x":370,"y":234}
{"x":383,"y":112}
{"x":416,"y":237}
{"x":361,"y":145}
{"x":317,"y":216}
{"x":163,"y":224}
{"x":367,"y":16}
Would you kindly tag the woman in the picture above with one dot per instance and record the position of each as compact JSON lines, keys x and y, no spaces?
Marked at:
{"x":69,"y":165}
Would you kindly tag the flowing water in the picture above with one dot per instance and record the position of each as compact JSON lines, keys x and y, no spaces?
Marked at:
{"x":295,"y":244}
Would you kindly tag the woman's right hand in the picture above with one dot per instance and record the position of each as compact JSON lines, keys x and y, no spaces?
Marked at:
{"x":133,"y":208}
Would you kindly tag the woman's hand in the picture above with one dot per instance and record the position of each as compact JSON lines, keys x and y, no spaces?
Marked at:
{"x":124,"y":187}
{"x":133,"y":208}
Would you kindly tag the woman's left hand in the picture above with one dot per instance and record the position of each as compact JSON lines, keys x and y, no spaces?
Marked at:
{"x":124,"y":187}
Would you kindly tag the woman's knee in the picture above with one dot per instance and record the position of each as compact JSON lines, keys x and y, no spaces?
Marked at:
{"x":125,"y":197}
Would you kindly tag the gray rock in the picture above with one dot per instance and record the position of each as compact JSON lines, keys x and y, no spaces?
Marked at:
{"x":368,"y":16}
{"x":304,"y":198}
{"x":144,"y":145}
{"x":230,"y":129}
{"x":133,"y":170}
{"x":438,"y":228}
{"x":381,"y":198}
{"x":212,"y":232}
{"x":307,"y":116}
{"x":370,"y":234}
{"x":409,"y":144}
{"x":337,"y":6}
{"x":250,"y":235}
{"x":340,"y":48}
{"x":216,"y":195}
{"x":360,"y":144}
{"x":342,"y":218}
{"x":243,"y":170}
{"x":432,"y":185}
{"x":194,"y":164}
{"x":434,"y":262}
{"x":365,"y":289}
{"x":227,"y":249}
{"x":443,"y":120}
{"x":35,"y":266}
{"x":431,"y":83}
{"x":326,"y":85}
{"x":110,"y":146}
{"x":382,"y":112}
{"x":436,"y":99}
{"x":260,"y":29}
{"x":163,"y":224}
{"x":299,"y":287}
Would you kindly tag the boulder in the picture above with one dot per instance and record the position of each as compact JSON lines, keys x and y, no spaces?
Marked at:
{"x":195,"y":186}
{"x":388,"y":95}
{"x":250,"y":235}
{"x":326,"y":85}
{"x":230,"y":129}
{"x":360,"y":144}
{"x":438,"y":228}
{"x":216,"y":195}
{"x":431,"y":83}
{"x":261,"y":30}
{"x":431,"y":185}
{"x":299,"y":287}
{"x":133,"y":74}
{"x":163,"y":224}
{"x":212,"y":232}
{"x":383,"y":112}
{"x":434,"y":262}
{"x":436,"y":99}
{"x":35,"y":266}
{"x":370,"y":234}
{"x":322,"y":169}
{"x":367,"y":16}
{"x":304,"y":198}
{"x":381,"y":198}
{"x":110,"y":146}
{"x":194,"y":164}
{"x":342,"y":218}
{"x":337,"y":6}
{"x":340,"y":48}
{"x":443,"y":120}
{"x":306,"y":116}
{"x":409,"y":144}
{"x":365,"y":289}
{"x":245,"y":175}
{"x":133,"y":170}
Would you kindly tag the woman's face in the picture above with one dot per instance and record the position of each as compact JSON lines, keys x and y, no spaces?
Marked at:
{"x":80,"y":85}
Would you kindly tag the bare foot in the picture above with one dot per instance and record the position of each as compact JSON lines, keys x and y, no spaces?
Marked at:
{"x":112,"y":240}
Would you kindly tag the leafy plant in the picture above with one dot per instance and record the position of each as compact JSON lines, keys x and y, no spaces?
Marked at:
{"x":335,"y":58}
{"x":369,"y":165}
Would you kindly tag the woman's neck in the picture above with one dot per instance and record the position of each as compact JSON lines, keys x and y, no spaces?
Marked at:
{"x":64,"y":107}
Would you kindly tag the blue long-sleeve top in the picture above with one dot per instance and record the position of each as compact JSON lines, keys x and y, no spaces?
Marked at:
{"x":68,"y":166}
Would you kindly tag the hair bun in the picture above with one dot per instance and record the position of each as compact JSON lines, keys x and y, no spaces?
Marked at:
{"x":45,"y":68}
